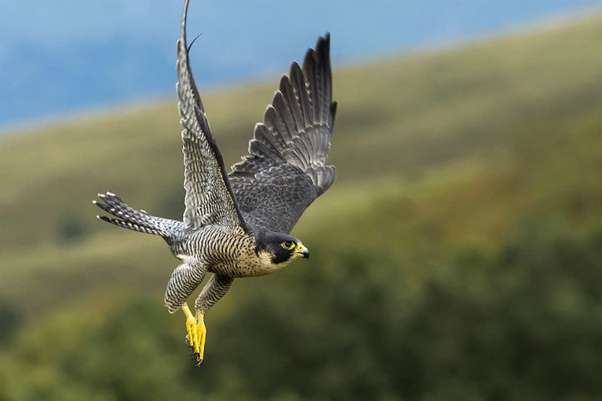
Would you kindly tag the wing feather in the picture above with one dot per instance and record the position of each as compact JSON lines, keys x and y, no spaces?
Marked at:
{"x":285,"y":169}
{"x":209,"y":198}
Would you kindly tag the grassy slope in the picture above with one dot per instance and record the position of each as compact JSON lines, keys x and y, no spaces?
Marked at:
{"x":456,"y":147}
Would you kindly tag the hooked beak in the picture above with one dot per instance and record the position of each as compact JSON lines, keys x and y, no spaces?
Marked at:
{"x":302,"y":251}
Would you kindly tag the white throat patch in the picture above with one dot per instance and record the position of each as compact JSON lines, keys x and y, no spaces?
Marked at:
{"x":266,"y":261}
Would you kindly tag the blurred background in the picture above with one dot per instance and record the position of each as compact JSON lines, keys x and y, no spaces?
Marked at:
{"x":458,"y":256}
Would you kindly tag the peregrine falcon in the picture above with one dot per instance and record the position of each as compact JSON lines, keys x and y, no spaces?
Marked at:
{"x":237,"y":224}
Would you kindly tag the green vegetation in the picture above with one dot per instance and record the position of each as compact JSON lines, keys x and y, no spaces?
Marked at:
{"x":461,"y":260}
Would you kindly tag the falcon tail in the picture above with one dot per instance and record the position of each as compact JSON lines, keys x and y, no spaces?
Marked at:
{"x":133,"y":219}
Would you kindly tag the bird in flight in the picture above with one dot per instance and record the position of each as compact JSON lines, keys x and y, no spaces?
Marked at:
{"x":237,"y":224}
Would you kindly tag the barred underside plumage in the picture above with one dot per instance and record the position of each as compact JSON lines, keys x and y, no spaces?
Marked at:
{"x":286,"y":168}
{"x":183,"y":281}
{"x":217,"y":286}
{"x":223,"y":250}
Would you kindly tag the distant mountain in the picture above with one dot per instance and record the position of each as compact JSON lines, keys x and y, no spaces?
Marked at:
{"x":66,"y":55}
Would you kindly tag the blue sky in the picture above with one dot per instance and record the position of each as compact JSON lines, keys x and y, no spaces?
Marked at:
{"x":63,"y":56}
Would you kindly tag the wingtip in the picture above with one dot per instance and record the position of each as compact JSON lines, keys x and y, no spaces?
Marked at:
{"x":182,"y":38}
{"x":185,"y":11}
{"x":295,"y":70}
{"x":323,"y":44}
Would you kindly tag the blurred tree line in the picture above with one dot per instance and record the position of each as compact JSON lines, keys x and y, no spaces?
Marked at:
{"x":521,"y":323}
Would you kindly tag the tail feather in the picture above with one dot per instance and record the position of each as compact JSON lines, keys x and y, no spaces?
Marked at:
{"x":133,"y":219}
{"x":129,"y":225}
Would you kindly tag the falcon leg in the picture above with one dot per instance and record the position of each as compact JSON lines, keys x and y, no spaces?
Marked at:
{"x":217,"y":286}
{"x":184,"y":279}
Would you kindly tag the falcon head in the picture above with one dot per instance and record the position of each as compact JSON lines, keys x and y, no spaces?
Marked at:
{"x":279,"y":249}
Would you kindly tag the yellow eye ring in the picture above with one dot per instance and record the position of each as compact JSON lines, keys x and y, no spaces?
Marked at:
{"x":288,"y":245}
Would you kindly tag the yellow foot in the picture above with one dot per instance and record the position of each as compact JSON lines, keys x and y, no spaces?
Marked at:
{"x":195,"y":333}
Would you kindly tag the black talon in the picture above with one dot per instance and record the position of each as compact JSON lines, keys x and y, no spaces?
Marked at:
{"x":199,"y":361}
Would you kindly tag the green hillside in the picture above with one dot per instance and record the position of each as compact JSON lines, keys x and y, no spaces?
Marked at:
{"x":456,"y":257}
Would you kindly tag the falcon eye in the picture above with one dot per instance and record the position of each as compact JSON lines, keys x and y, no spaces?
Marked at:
{"x":288,"y":245}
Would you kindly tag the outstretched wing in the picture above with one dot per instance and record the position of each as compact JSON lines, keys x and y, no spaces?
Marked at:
{"x":209,"y":198}
{"x":286,"y":170}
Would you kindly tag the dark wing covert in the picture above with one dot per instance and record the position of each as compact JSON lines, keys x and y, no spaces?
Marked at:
{"x":286,"y":170}
{"x":209,"y":198}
